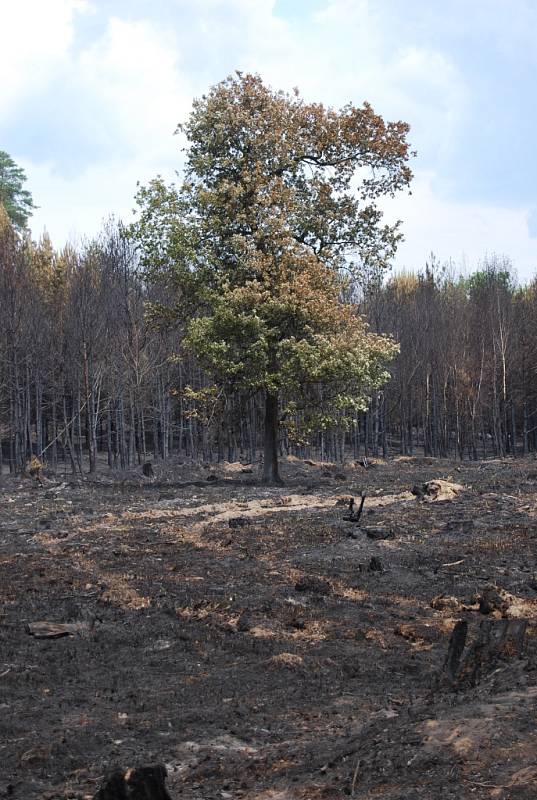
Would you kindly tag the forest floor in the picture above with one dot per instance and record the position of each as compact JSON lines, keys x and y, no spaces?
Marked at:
{"x":257,"y":643}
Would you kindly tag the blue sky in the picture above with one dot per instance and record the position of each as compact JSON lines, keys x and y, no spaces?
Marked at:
{"x":92,"y":91}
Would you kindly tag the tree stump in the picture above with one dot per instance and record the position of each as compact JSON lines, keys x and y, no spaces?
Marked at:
{"x":378,"y":533}
{"x":35,"y":470}
{"x":497,"y":640}
{"x":493,"y":600}
{"x":144,"y":783}
{"x":456,"y":647}
{"x":238,"y":522}
{"x":311,"y":583}
{"x":375,"y":565}
{"x":148,"y":470}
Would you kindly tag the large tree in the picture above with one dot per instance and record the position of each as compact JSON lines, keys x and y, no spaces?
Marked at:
{"x":277,"y":211}
{"x":13,"y":196}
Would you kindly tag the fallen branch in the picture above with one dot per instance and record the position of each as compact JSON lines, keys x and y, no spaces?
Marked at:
{"x":355,"y":777}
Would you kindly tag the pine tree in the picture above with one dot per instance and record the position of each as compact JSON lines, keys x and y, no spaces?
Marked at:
{"x":16,"y":200}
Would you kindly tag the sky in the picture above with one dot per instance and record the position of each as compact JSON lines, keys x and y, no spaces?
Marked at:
{"x":92,"y":92}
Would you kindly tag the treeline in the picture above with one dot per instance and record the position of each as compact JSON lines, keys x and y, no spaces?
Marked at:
{"x":465,"y":381}
{"x":89,"y":376}
{"x":81,"y":374}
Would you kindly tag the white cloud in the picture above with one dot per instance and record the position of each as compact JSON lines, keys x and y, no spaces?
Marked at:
{"x":133,"y":70}
{"x":224,"y":35}
{"x":361,"y":55}
{"x":428,"y":91}
{"x":129,"y":95}
{"x":461,"y":232}
{"x":75,"y":207}
{"x":134,"y":81}
{"x":35,"y":40}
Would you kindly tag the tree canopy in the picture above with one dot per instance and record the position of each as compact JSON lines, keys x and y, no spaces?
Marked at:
{"x":14,"y":197}
{"x":277,"y":212}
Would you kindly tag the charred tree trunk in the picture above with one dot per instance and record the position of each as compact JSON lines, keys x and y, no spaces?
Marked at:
{"x":270,"y":462}
{"x":142,"y":783}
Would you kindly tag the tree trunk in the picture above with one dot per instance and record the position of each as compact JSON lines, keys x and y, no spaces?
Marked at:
{"x":109,"y":451}
{"x":54,"y":452}
{"x":513,"y":429}
{"x":68,"y":438}
{"x":270,"y":462}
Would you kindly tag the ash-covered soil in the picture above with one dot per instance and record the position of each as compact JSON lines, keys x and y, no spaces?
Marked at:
{"x":260,"y":645}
